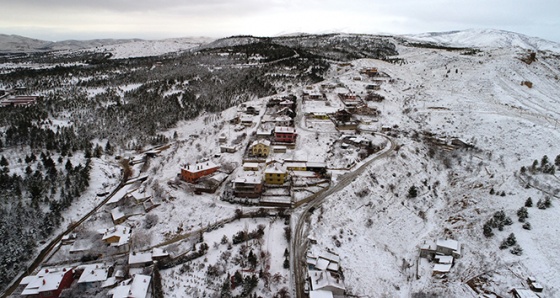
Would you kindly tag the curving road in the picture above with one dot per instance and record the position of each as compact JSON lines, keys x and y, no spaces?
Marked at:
{"x":298,"y":244}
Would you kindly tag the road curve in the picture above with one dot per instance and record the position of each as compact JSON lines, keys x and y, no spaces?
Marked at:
{"x":298,"y":249}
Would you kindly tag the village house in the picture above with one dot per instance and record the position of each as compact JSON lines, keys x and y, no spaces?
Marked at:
{"x":140,"y":287}
{"x":275,"y":174}
{"x":251,"y":110}
{"x":523,"y":293}
{"x":320,"y":116}
{"x":92,"y":276}
{"x":448,"y":247}
{"x":246,"y":120}
{"x":191,"y":173}
{"x":48,"y":283}
{"x":295,"y":165}
{"x":327,"y":281}
{"x":260,"y":148}
{"x":371,"y":72}
{"x":117,"y":215}
{"x":279,"y":149}
{"x":228,"y":149}
{"x":285,"y":134}
{"x":283,"y":121}
{"x":318,"y":167}
{"x":251,"y":166}
{"x":323,"y":261}
{"x":284,"y":112}
{"x":248,"y":185}
{"x":117,"y":236}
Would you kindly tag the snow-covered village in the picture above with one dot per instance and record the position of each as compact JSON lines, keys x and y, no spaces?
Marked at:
{"x":320,"y":166}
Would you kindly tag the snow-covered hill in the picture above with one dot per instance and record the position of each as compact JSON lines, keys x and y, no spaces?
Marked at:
{"x":486,"y":38}
{"x":119,"y":48}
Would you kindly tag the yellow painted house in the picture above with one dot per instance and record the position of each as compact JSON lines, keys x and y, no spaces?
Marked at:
{"x":295,"y":166}
{"x":275,"y":174}
{"x":260,"y":148}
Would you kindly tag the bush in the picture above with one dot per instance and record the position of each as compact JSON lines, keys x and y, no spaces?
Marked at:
{"x":527,"y":226}
{"x":150,"y":220}
{"x":516,"y":250}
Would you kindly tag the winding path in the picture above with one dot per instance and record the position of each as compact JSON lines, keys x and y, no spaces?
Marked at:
{"x":298,"y":244}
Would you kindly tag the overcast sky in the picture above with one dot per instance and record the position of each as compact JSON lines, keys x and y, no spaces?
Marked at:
{"x":88,"y":19}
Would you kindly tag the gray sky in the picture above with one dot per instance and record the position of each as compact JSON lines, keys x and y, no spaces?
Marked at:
{"x":88,"y":19}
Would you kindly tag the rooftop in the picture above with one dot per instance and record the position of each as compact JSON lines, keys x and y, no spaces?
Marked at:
{"x":94,"y":273}
{"x":201,"y":166}
{"x":48,"y":279}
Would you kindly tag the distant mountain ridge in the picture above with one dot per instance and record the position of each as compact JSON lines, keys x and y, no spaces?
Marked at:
{"x":486,"y":38}
{"x":22,"y":44}
{"x":126,"y":47}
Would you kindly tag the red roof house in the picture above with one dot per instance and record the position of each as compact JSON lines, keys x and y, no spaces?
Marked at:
{"x":285,"y":134}
{"x":48,"y":283}
{"x":191,"y":173}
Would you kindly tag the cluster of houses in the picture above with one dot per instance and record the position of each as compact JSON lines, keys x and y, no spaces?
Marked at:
{"x":85,"y":280}
{"x":324,"y":278}
{"x":443,"y":253}
{"x":272,"y":175}
{"x":355,"y":108}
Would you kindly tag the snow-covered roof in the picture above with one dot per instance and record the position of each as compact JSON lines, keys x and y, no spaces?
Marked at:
{"x":295,"y":163}
{"x":524,"y":293}
{"x":159,"y":252}
{"x":253,"y":178}
{"x":94,"y":273}
{"x":304,"y":174}
{"x":320,"y":294}
{"x":448,"y":243}
{"x":316,"y":164}
{"x":201,"y":166}
{"x":109,"y":282}
{"x":284,"y":129}
{"x":123,"y":232}
{"x":444,"y":259}
{"x":122,"y":193}
{"x":48,"y":279}
{"x":442,"y":268}
{"x":116,"y":213}
{"x":139,"y":286}
{"x":263,"y":142}
{"x":275,"y":169}
{"x":246,"y":118}
{"x":322,"y":264}
{"x":139,"y":258}
{"x":251,"y":165}
{"x":323,"y":279}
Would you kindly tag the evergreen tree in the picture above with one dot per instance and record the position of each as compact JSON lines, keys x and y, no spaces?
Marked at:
{"x":4,"y":162}
{"x":487,"y":229}
{"x":252,"y":259}
{"x":527,"y":226}
{"x":529,"y":202}
{"x":412,"y":192}
{"x":544,"y":161}
{"x":557,"y":160}
{"x":523,"y":214}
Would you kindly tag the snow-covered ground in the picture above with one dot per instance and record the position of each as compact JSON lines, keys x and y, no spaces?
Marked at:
{"x":479,"y":99}
{"x":373,"y":224}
